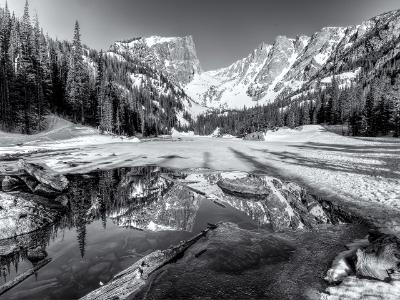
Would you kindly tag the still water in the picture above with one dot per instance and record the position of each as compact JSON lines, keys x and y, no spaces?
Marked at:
{"x":114,"y":218}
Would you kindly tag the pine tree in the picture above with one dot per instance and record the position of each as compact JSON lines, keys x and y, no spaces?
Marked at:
{"x":78,"y":78}
{"x":368,"y":119}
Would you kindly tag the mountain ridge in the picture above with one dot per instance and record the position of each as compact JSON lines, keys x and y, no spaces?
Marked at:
{"x":288,"y":67}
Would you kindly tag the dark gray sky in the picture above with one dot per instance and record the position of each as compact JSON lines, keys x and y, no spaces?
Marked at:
{"x":224,"y":30}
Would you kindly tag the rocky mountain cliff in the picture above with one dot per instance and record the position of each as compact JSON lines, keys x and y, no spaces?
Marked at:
{"x":290,"y":67}
{"x":175,"y":56}
{"x":286,"y":68}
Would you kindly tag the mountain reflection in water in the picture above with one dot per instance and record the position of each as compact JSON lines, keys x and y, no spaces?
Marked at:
{"x":114,"y":218}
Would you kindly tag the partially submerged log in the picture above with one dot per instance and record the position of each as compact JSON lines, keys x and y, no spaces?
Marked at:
{"x":17,"y":280}
{"x":45,"y":175}
{"x":129,"y":281}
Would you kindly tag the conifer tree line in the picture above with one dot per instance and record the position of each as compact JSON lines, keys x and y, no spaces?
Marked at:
{"x":40,"y":75}
{"x":365,"y":108}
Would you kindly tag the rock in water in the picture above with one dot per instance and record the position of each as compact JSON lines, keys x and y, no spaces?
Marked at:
{"x":10,"y":184}
{"x":286,"y":203}
{"x":45,"y":175}
{"x":245,"y":187}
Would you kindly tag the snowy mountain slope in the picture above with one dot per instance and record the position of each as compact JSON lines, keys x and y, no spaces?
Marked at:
{"x":375,"y":43}
{"x":279,"y":69}
{"x":291,"y":66}
{"x":159,"y":67}
{"x":286,"y":68}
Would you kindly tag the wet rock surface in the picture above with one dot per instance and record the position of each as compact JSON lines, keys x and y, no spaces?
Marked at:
{"x":233,"y":263}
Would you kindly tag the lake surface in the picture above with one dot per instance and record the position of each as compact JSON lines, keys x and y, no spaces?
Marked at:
{"x":115,"y":218}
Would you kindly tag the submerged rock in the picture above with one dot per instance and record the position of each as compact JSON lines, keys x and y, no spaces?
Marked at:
{"x":235,"y":263}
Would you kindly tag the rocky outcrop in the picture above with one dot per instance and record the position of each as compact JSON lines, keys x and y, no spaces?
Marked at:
{"x":287,"y":205}
{"x":45,"y":176}
{"x":174,"y":56}
{"x":291,"y":67}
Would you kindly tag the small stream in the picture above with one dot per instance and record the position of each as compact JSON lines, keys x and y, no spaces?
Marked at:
{"x":118,"y":216}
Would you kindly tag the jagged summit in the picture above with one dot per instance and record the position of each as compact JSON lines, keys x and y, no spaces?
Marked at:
{"x":292,"y":66}
{"x":286,"y":67}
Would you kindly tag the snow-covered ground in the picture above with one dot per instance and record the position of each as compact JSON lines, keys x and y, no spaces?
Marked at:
{"x":61,"y":134}
{"x":364,"y":174}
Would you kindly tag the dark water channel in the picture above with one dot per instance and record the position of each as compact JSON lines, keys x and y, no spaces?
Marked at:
{"x":114,"y":218}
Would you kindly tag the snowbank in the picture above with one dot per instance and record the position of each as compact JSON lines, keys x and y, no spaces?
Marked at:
{"x":176,"y":133}
{"x":304,"y":133}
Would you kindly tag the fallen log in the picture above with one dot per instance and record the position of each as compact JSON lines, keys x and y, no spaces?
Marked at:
{"x":17,"y":280}
{"x":126,"y":283}
{"x":45,"y":175}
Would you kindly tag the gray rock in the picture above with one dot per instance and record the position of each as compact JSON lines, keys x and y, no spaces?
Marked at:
{"x":11,"y":184}
{"x":286,"y":205}
{"x":380,"y":259}
{"x":45,"y":175}
{"x":245,"y":187}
